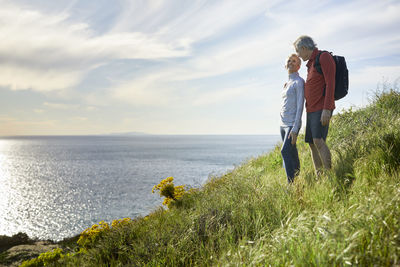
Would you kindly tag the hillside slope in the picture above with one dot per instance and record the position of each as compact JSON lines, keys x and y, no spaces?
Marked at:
{"x":349,"y":216}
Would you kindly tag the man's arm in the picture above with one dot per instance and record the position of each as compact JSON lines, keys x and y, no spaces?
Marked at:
{"x":328,"y":67}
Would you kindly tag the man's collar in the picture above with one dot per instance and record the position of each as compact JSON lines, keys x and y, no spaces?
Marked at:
{"x":312,"y":57}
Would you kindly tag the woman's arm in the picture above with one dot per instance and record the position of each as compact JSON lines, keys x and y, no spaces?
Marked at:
{"x":299,"y":87}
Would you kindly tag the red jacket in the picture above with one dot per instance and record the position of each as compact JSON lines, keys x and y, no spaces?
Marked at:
{"x":315,"y":83}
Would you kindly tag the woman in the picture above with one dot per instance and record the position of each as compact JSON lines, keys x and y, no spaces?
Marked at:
{"x":291,"y":112}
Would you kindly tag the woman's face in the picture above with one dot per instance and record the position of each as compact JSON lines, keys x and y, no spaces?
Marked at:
{"x":293,"y":64}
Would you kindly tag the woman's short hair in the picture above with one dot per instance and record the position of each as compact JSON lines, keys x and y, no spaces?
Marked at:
{"x":306,"y":42}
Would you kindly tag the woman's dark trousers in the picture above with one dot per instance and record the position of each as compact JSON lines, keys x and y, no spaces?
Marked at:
{"x":290,"y":156}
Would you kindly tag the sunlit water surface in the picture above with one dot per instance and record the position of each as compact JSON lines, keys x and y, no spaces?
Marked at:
{"x":55,"y":187}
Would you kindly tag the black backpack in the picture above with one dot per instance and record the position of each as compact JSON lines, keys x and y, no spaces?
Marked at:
{"x":341,"y":76}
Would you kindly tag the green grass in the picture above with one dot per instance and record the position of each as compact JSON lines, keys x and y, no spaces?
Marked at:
{"x":251,"y":217}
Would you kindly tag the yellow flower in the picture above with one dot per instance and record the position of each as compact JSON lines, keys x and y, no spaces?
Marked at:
{"x":121,"y":222}
{"x":89,"y":235}
{"x":169,"y":191}
{"x":179,"y":191}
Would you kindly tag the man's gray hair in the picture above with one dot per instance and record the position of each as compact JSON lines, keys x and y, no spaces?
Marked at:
{"x":306,"y":42}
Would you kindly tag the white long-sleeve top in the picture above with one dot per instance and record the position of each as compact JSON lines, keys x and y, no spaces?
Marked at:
{"x":293,"y":102}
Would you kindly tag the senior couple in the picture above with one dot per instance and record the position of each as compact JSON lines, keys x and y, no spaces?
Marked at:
{"x":318,"y":92}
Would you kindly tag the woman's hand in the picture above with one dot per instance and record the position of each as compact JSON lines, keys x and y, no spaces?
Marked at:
{"x":293,"y":136}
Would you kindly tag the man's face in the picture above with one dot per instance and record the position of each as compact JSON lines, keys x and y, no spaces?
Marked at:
{"x":302,"y":53}
{"x":293,"y":64}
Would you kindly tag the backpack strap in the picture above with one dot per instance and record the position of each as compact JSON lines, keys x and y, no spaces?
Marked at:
{"x":317,"y":64}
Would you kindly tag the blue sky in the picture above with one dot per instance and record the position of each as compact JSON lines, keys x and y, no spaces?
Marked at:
{"x":177,"y":67}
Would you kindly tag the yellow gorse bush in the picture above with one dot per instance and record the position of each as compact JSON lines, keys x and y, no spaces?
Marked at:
{"x":169,"y":191}
{"x":121,"y":222}
{"x":86,"y":239}
{"x":90,"y":235}
{"x":179,"y":191}
{"x":44,"y":259}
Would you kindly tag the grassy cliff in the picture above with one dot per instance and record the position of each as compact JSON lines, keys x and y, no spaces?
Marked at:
{"x":349,"y":216}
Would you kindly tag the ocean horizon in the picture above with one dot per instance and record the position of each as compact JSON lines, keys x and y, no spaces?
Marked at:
{"x":56,"y":186}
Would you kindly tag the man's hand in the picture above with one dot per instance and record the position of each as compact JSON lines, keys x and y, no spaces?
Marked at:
{"x":293,"y":136}
{"x":325,"y":117}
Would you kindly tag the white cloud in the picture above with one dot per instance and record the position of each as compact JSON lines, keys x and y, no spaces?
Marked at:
{"x":194,"y":20}
{"x":91,"y":108}
{"x":372,"y":75}
{"x":356,"y":28}
{"x":60,"y":106}
{"x":4,"y":119}
{"x":44,"y":52}
{"x":226,"y":94}
{"x":16,"y":126}
{"x":135,"y":45}
{"x":78,"y":119}
{"x":141,"y":92}
{"x":194,"y":53}
{"x":219,"y":96}
{"x":344,"y":29}
{"x":19,"y":77}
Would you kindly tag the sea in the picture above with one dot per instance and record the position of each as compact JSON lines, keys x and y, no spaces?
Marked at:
{"x":54,"y":187}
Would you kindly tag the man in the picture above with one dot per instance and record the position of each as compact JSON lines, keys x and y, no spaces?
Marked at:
{"x":319,"y":94}
{"x":291,"y":112}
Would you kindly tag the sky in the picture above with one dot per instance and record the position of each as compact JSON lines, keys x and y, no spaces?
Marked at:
{"x":178,"y":67}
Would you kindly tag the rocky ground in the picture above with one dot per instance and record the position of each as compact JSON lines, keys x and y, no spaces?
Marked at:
{"x":18,"y":248}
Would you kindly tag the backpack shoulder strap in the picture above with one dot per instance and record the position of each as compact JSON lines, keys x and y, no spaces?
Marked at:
{"x":317,"y":64}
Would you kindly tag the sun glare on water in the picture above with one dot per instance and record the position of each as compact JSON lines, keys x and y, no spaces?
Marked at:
{"x":4,"y":188}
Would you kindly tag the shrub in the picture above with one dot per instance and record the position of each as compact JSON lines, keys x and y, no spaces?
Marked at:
{"x":90,"y":235}
{"x":169,"y":191}
{"x":45,"y":258}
